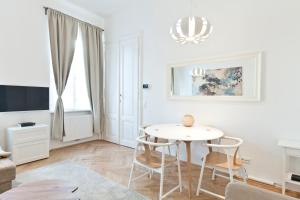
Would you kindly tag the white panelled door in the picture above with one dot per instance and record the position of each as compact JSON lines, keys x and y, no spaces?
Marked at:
{"x":129,"y":90}
{"x":122,"y":91}
{"x":111,"y":94}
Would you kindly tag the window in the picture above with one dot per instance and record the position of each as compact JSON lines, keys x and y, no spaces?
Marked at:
{"x":75,"y":96}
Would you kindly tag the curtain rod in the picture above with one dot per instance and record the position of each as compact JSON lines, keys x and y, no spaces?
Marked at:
{"x":80,"y":21}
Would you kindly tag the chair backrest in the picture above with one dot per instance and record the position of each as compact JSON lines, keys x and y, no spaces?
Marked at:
{"x":142,"y":129}
{"x":234,"y":145}
{"x":149,"y":147}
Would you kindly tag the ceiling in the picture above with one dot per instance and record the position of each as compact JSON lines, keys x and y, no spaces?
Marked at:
{"x":101,"y":7}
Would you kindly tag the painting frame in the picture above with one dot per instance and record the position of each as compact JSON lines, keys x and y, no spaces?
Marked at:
{"x":253,"y":80}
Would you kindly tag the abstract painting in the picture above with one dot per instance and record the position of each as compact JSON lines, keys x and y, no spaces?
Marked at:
{"x":218,"y":82}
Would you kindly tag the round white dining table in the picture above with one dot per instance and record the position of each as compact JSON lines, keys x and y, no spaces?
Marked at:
{"x":187,"y":135}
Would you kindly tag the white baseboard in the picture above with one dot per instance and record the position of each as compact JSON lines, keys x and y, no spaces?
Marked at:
{"x":261,"y":180}
{"x":54,"y":144}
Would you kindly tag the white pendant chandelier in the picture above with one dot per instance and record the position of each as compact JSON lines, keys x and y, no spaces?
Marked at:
{"x":191,"y":29}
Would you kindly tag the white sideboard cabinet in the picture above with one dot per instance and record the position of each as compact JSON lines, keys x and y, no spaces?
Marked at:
{"x":28,"y":144}
{"x":291,"y":150}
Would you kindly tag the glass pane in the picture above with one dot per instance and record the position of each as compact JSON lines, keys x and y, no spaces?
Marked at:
{"x":75,"y":96}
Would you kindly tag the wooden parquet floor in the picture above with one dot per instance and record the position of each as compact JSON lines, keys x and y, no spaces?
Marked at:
{"x":114,"y":162}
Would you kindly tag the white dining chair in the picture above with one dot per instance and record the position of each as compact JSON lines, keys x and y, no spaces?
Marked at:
{"x":155,"y":140}
{"x":220,"y":159}
{"x":155,"y":161}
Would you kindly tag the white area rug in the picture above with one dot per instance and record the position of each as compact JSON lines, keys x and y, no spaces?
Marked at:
{"x":91,"y":185}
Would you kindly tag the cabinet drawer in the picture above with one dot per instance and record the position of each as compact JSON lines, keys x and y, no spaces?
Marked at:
{"x":30,"y":135}
{"x":31,"y":151}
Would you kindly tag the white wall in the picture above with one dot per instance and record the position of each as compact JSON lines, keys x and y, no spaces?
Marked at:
{"x":25,"y":51}
{"x":239,"y":26}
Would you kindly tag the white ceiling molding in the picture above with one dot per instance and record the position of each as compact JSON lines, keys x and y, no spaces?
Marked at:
{"x":102,"y":8}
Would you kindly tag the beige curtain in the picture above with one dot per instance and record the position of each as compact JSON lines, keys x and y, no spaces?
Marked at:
{"x":63,"y":33}
{"x":93,"y":60}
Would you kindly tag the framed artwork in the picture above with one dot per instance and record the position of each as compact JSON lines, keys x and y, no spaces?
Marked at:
{"x":230,"y":78}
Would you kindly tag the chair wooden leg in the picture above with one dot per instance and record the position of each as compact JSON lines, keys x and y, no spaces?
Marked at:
{"x":245,"y":175}
{"x":213,"y":176}
{"x":201,"y":175}
{"x":131,"y":173}
{"x":229,"y":168}
{"x":230,"y":175}
{"x":178,"y":168}
{"x":161,"y":187}
{"x":283,"y":188}
{"x":162,"y":174}
{"x":150,"y":173}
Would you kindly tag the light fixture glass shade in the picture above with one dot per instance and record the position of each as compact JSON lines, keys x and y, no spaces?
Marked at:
{"x":191,"y":30}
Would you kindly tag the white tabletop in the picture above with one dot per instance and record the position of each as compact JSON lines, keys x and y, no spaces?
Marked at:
{"x":180,"y":132}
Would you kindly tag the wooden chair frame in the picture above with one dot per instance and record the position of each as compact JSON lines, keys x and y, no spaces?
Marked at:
{"x":148,"y":146}
{"x":156,"y":140}
{"x":228,"y":148}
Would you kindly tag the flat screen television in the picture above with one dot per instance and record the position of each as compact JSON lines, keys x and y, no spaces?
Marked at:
{"x":23,"y":98}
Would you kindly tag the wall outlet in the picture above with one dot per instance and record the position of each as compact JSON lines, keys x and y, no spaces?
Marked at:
{"x":146,"y":86}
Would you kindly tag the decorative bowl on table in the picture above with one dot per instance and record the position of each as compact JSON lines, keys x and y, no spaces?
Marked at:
{"x":188,"y":120}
